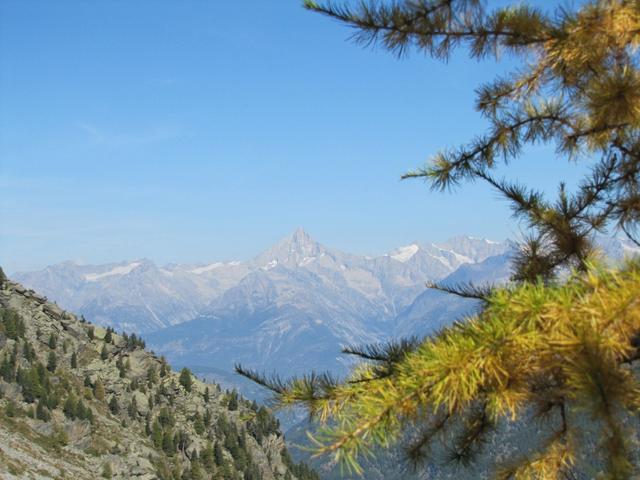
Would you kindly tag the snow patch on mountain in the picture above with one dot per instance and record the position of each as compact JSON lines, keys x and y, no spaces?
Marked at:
{"x":460,"y":258}
{"x":270,"y":265}
{"x":206,"y":268}
{"x":122,"y":270}
{"x":403,"y":254}
{"x":307,"y":261}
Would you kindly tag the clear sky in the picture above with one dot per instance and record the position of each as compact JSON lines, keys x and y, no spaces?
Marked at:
{"x":186,"y":131}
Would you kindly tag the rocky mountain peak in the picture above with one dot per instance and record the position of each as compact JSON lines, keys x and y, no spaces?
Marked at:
{"x":297,"y":249}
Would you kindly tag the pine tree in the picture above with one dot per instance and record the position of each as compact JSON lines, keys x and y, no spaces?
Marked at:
{"x":98,"y":390}
{"x":198,"y":423}
{"x":185,"y":379}
{"x":164,"y":367}
{"x":42,"y":413}
{"x":121,"y":368}
{"x":52,"y":362}
{"x":106,"y":470}
{"x":74,"y":360}
{"x":152,"y":375}
{"x":13,"y":325}
{"x":232,"y":401}
{"x":29,"y":352}
{"x":556,"y":347}
{"x":114,"y":407}
{"x":7,"y":369}
{"x":165,"y":418}
{"x":132,"y":410}
{"x":207,"y":457}
{"x":218,"y":454}
{"x":104,"y":353}
{"x":168,"y":445}
{"x":91,"y":333}
{"x":156,"y":434}
{"x":53,"y":341}
{"x":69,"y":407}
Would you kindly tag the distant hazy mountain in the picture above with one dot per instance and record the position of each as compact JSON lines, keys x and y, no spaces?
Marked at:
{"x":290,"y":308}
{"x":141,"y":297}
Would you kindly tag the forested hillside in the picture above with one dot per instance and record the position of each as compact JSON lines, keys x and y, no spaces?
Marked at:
{"x":80,"y":401}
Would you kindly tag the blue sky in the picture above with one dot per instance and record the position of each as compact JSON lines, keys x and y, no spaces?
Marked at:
{"x":186,"y":131}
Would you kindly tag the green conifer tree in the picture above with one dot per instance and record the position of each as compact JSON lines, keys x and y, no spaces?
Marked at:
{"x":114,"y":407}
{"x":198,"y":423}
{"x":98,"y":390}
{"x":152,"y":375}
{"x":132,"y":410}
{"x":232,"y":401}
{"x":185,"y":379}
{"x":70,"y":407}
{"x":42,"y":413}
{"x":168,"y":445}
{"x":156,"y":434}
{"x":52,"y":362}
{"x":107,"y":471}
{"x":218,"y":454}
{"x":164,"y":367}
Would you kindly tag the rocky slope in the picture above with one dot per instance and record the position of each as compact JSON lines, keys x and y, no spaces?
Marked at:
{"x":78,"y":401}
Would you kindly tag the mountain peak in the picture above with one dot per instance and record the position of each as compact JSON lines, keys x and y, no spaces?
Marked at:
{"x":296,"y":249}
{"x":300,"y":238}
{"x":300,"y":231}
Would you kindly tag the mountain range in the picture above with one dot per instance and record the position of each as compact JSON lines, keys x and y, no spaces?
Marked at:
{"x":291,"y":308}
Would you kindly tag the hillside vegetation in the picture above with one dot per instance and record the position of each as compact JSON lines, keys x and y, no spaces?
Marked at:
{"x":79,"y":401}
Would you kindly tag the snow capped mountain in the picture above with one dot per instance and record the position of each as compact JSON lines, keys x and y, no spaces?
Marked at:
{"x":295,"y":304}
{"x":291,"y":308}
{"x":298,"y":249}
